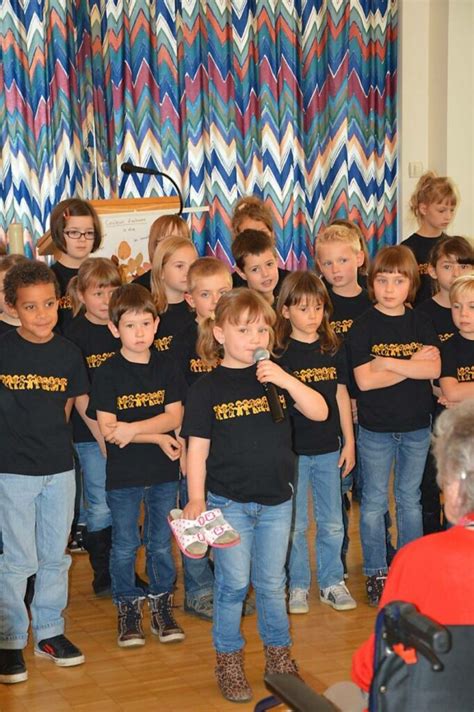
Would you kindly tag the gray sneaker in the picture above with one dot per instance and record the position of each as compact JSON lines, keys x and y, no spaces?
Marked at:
{"x":199,"y":606}
{"x":298,"y":601}
{"x":338,"y":597}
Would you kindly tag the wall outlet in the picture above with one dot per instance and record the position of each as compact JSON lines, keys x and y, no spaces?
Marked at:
{"x":415,"y":169}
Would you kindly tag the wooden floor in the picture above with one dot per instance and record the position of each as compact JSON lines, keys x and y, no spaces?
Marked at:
{"x":180,"y":676}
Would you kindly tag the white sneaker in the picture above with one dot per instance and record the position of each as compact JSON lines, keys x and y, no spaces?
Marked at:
{"x":338,"y":597}
{"x":298,"y":602}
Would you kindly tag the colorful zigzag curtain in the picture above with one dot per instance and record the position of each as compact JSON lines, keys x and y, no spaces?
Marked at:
{"x":290,"y":100}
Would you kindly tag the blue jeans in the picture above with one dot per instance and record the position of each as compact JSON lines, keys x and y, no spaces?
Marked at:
{"x":197,"y":573}
{"x":377,"y":452}
{"x":36,"y":514}
{"x":125,"y":506}
{"x":260,"y":557}
{"x":320,"y":473}
{"x":92,"y":462}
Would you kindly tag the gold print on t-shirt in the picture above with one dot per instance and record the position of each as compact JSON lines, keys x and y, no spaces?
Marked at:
{"x":197,"y":365}
{"x":34,"y":382}
{"x":96,"y":360}
{"x":396,"y":350}
{"x":140,"y":400}
{"x":465,"y":373}
{"x":423,"y":268}
{"x":65,"y":302}
{"x":312,"y":375}
{"x":164,"y":343}
{"x":248,"y":406}
{"x":445,"y":337}
{"x":342,"y":326}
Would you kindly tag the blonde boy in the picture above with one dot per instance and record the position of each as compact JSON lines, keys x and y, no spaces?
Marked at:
{"x":457,"y":354}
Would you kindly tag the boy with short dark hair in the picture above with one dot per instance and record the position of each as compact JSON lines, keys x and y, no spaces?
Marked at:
{"x":256,"y":262}
{"x":137,"y":397}
{"x":40,"y":375}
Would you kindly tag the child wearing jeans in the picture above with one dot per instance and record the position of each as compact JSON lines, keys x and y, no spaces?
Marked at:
{"x":40,"y":375}
{"x":137,"y":398}
{"x":245,"y":461}
{"x":309,"y":350}
{"x":394,"y":354}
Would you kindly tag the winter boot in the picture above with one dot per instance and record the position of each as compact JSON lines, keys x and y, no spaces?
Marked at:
{"x":278,"y":660}
{"x":231,"y":678}
{"x":98,"y":545}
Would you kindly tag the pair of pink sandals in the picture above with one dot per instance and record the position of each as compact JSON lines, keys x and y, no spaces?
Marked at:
{"x":195,"y":535}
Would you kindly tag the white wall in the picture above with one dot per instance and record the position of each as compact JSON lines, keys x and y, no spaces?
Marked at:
{"x":435,"y":90}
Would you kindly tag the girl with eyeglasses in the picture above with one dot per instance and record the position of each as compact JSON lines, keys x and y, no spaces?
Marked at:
{"x":76,"y":233}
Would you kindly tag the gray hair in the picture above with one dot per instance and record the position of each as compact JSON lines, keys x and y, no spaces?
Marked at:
{"x":453,"y":450}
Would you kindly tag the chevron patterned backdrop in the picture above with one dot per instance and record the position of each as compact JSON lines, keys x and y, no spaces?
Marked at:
{"x":291,"y":100}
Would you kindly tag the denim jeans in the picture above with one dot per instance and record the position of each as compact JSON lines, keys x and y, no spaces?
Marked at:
{"x":377,"y":452}
{"x":259,"y":557}
{"x":125,"y":506}
{"x":36,"y":514}
{"x":92,"y":462}
{"x":321,"y":474}
{"x":197,"y":573}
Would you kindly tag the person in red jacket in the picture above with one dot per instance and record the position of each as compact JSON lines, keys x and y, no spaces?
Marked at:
{"x":435,"y":572}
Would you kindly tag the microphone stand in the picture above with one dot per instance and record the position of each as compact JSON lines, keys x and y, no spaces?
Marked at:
{"x":129,"y":168}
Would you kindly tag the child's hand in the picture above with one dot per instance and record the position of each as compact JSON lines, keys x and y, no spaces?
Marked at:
{"x":268,"y":371}
{"x":347,"y":459}
{"x":426,"y":353}
{"x":442,"y":400}
{"x":120,"y":434}
{"x":194,"y":508}
{"x":170,"y":446}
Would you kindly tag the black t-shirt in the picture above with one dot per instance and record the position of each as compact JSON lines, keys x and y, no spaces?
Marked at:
{"x":457,"y":359}
{"x":237,"y":281}
{"x":183,"y":349}
{"x":345,"y":311}
{"x":440,"y":317}
{"x":133,"y":392}
{"x":407,"y":405}
{"x":172,"y":321}
{"x":144,"y":279}
{"x":97,"y":345}
{"x":250,"y":457}
{"x":36,"y":380}
{"x":421,"y":248}
{"x":5,"y":328}
{"x":64,"y":276}
{"x":321,"y":372}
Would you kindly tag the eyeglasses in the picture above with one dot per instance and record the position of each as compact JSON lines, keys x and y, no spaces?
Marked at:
{"x":77,"y":234}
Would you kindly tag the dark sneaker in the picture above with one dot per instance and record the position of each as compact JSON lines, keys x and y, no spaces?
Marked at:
{"x":130,"y":623}
{"x":375,"y":585}
{"x":60,"y":650}
{"x":12,"y":667}
{"x":76,"y":544}
{"x":200,"y":606}
{"x":163,"y":623}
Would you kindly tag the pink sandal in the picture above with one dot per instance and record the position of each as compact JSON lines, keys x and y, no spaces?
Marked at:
{"x":216,"y":530}
{"x":189,"y":536}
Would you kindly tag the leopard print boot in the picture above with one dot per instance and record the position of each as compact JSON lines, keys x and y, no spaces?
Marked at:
{"x":278,"y":660}
{"x":231,"y":678}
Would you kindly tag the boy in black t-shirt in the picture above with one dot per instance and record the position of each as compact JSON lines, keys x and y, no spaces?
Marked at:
{"x":137,"y":398}
{"x":40,"y":375}
{"x":256,"y":262}
{"x":457,"y":354}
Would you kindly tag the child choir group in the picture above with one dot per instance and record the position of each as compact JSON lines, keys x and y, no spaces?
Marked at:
{"x":158,"y":383}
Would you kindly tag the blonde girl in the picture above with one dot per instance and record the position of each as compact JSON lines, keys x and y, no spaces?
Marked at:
{"x":309,"y":349}
{"x":76,"y":233}
{"x":172,"y":259}
{"x":433,"y":204}
{"x":244,"y":459}
{"x":90,"y":292}
{"x":162,"y":227}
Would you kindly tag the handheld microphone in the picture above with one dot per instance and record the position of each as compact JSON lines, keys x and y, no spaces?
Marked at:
{"x":129,"y":168}
{"x":271,"y":392}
